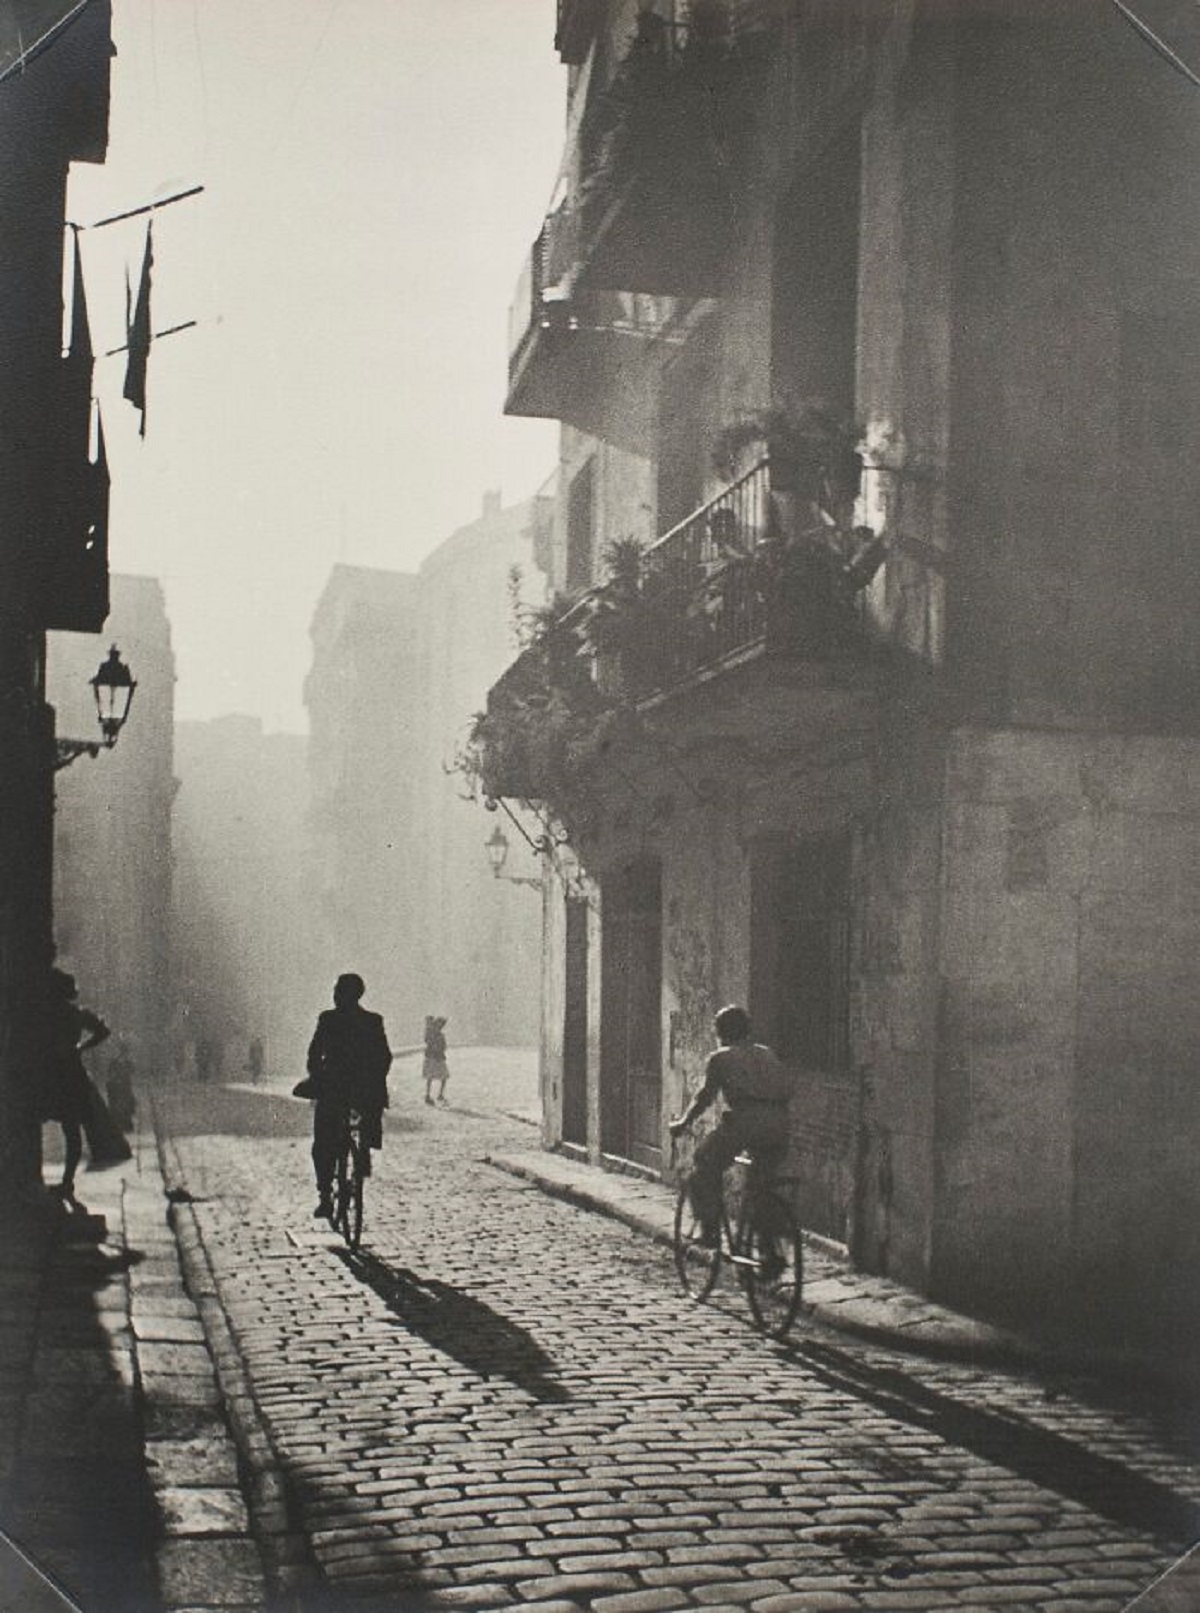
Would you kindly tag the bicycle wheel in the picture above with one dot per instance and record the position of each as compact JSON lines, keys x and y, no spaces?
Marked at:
{"x":771,"y":1264}
{"x":696,"y":1264}
{"x":352,"y":1224}
{"x":341,"y":1187}
{"x":350,"y":1188}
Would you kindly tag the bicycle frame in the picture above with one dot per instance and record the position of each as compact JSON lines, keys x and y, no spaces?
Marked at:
{"x":761,"y":1242}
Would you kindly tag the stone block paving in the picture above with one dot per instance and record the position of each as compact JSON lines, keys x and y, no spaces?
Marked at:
{"x":503,"y":1400}
{"x":119,"y":1477}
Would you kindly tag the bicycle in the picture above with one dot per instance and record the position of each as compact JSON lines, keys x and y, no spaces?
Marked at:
{"x":353,"y":1167}
{"x":760,"y":1240}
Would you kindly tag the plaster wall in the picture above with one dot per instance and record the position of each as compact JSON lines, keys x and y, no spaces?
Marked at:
{"x":622,"y":498}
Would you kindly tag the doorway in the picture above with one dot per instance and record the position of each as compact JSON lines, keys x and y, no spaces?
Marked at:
{"x":575,"y":1025}
{"x":630,"y":1015}
{"x":800,"y":1004}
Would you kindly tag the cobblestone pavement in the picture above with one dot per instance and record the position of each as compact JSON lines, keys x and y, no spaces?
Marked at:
{"x":504,"y":1401}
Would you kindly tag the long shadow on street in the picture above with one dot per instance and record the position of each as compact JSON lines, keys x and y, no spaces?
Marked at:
{"x":1106,"y":1486}
{"x":465,"y":1328}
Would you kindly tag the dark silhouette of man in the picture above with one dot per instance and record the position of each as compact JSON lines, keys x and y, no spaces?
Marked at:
{"x":348,"y":1062}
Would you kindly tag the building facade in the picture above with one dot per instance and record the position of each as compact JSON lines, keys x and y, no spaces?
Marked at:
{"x":362,"y":876}
{"x":112,"y":832}
{"x":398,"y":875}
{"x":53,"y":499}
{"x":481,"y":934}
{"x":243,"y":934}
{"x":872,"y":702}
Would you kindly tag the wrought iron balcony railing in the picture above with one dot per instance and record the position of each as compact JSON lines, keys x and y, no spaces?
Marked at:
{"x":727,"y":584}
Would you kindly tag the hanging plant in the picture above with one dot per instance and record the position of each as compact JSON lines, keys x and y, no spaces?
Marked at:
{"x":812,"y":451}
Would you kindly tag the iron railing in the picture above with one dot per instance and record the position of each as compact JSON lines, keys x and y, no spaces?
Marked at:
{"x":723,"y":583}
{"x":702,"y":584}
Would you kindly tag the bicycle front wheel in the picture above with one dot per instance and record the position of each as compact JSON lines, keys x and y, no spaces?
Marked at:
{"x":696,"y":1263}
{"x":348,"y":1201}
{"x":771,"y":1265}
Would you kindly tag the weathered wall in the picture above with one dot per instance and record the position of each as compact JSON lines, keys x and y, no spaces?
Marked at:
{"x":894,"y":1025}
{"x":1075,"y":470}
{"x":1067,"y":1105}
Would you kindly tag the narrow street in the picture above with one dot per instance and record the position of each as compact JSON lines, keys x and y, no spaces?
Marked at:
{"x":504,"y":1400}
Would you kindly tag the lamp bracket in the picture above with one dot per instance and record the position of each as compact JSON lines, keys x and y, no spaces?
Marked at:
{"x":67,"y":751}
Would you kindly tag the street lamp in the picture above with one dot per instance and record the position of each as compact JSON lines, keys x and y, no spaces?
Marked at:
{"x":113,"y":687}
{"x":496,"y":846}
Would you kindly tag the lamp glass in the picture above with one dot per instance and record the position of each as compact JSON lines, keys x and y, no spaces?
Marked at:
{"x":113,"y":687}
{"x":496,"y":846}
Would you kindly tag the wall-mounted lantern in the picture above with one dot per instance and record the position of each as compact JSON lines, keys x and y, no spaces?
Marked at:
{"x":113,"y":687}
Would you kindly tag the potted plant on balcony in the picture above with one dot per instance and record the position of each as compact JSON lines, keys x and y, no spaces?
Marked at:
{"x":625,"y":624}
{"x":813,"y":454}
{"x":814,"y":561}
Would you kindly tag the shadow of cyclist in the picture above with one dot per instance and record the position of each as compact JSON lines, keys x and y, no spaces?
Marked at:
{"x":460,"y":1326}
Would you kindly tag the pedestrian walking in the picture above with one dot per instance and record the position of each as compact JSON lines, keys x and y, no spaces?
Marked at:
{"x":435,"y":1068}
{"x":348,"y":1062}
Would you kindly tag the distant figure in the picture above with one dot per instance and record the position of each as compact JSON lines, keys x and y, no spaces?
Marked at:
{"x":69,"y":1030}
{"x":122,"y":1101}
{"x":254,"y":1059}
{"x":348,"y":1062}
{"x":208,"y":1060}
{"x":435,"y":1069}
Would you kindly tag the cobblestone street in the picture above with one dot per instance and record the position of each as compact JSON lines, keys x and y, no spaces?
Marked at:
{"x":504,"y":1400}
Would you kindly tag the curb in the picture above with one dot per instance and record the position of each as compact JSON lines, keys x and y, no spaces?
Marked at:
{"x":581,"y":1199}
{"x":1001,"y":1348}
{"x":288,"y":1567}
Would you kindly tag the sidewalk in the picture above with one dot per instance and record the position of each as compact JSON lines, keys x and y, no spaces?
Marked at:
{"x":852,"y":1302}
{"x":119,"y":1478}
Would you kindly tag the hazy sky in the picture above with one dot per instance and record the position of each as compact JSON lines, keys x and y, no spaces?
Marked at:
{"x":375,"y":172}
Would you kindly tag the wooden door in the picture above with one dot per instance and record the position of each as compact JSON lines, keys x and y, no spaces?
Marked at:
{"x":631,"y":1014}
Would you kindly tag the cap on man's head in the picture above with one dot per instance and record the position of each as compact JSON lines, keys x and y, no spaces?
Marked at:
{"x":349,"y":988}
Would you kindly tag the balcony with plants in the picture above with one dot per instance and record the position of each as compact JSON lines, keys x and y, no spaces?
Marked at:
{"x":772,"y":567}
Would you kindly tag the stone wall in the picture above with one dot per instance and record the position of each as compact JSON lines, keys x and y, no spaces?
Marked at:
{"x":1067,"y":1101}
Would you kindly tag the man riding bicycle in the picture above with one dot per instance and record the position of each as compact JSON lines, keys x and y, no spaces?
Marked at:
{"x":756,"y":1089}
{"x":348,"y":1062}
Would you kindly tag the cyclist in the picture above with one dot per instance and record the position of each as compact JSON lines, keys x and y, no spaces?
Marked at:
{"x":756,"y":1089}
{"x":348,"y":1062}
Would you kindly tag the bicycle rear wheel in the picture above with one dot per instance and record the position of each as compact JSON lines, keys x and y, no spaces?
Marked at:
{"x":697,"y":1264}
{"x":771,"y":1265}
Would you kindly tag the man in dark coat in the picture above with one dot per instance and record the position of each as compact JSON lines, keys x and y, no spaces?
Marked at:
{"x":348,"y":1062}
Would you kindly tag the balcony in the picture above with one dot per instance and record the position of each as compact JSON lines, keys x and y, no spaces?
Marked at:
{"x":740,"y":581}
{"x":728,"y":585}
{"x":659,"y":152}
{"x":568,"y":348}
